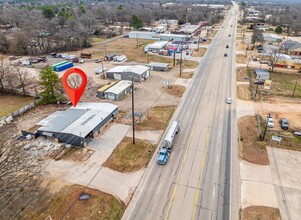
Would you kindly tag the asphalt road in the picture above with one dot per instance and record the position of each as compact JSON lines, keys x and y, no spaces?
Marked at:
{"x":195,"y":183}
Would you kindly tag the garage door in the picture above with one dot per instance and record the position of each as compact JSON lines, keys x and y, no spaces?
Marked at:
{"x":117,"y":76}
{"x":111,"y":96}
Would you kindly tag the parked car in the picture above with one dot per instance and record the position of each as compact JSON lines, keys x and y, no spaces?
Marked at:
{"x":229,"y":100}
{"x":98,"y":61}
{"x":270,"y":122}
{"x":255,"y":59}
{"x":225,"y":54}
{"x":283,"y":123}
{"x":297,"y":133}
{"x":259,"y":82}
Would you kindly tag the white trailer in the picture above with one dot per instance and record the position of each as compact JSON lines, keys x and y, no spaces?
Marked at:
{"x":169,"y":137}
{"x":26,"y":62}
{"x":120,"y":58}
{"x":100,"y":70}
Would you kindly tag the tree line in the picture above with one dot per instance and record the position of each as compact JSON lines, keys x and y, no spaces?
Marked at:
{"x":42,"y":29}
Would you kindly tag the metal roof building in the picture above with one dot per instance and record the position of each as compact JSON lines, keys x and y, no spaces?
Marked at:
{"x":119,"y":90}
{"x":155,"y":47}
{"x":139,"y":73}
{"x":142,"y":35}
{"x":174,"y":37}
{"x":262,"y":74}
{"x":77,"y":125}
{"x":189,"y":29}
{"x":158,"y":66}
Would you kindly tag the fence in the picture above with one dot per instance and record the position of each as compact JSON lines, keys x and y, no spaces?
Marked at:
{"x":19,"y":111}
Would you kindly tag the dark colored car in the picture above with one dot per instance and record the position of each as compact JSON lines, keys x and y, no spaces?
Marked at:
{"x":283,"y":123}
{"x":229,"y":35}
{"x":259,"y":82}
{"x":227,"y":46}
{"x":225,"y":54}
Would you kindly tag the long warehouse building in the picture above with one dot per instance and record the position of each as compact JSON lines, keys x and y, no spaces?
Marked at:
{"x":77,"y":125}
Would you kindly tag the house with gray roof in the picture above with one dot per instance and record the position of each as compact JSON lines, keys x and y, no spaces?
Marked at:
{"x":292,"y":47}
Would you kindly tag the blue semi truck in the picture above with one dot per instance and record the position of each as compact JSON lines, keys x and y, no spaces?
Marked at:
{"x":167,"y":143}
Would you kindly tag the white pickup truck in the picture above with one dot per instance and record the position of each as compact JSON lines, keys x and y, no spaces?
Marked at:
{"x":270,"y":122}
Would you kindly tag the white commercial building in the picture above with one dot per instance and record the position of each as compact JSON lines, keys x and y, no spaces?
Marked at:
{"x":155,"y":47}
{"x":143,"y":35}
{"x":118,"y":90}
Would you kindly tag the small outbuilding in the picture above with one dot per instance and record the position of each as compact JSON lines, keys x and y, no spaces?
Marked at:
{"x":262,"y":74}
{"x":119,"y":90}
{"x":139,"y":72}
{"x":110,"y":56}
{"x":158,"y":66}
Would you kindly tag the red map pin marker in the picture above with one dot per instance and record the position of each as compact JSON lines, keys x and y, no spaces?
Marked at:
{"x":74,"y":94}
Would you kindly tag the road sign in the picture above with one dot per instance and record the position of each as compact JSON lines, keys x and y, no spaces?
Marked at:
{"x":267,"y":84}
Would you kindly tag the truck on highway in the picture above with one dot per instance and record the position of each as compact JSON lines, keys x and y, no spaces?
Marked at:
{"x":167,"y":143}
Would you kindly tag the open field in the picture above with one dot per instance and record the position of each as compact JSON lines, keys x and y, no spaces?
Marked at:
{"x":176,"y":90}
{"x":241,"y":58}
{"x":243,"y":72}
{"x":129,"y":157}
{"x":10,"y":103}
{"x":250,"y":148}
{"x":157,"y":118}
{"x":99,"y":206}
{"x":199,"y":53}
{"x":283,"y":84}
{"x":243,"y":92}
{"x":260,"y":213}
{"x":94,"y":40}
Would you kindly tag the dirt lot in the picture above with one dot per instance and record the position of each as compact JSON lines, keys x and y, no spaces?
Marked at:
{"x":10,"y":103}
{"x":243,"y":72}
{"x":99,"y":206}
{"x":157,"y":118}
{"x":176,"y":90}
{"x":250,"y":148}
{"x":243,"y":92}
{"x":241,"y":58}
{"x":240,"y":46}
{"x":199,"y":53}
{"x":260,"y":213}
{"x":129,"y":157}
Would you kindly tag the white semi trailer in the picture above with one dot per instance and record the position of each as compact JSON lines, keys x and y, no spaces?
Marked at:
{"x":169,"y":137}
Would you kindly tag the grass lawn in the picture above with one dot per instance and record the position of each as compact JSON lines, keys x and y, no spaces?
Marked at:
{"x":97,"y":39}
{"x":283,"y":84}
{"x":10,"y":103}
{"x":243,"y":72}
{"x":157,"y":118}
{"x":250,"y":148}
{"x":241,"y":58}
{"x":100,"y":205}
{"x":175,"y":90}
{"x":128,"y":157}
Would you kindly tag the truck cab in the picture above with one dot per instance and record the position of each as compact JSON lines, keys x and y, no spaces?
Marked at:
{"x":163,"y":156}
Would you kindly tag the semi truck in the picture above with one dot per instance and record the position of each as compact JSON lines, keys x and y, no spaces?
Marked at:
{"x":167,"y":143}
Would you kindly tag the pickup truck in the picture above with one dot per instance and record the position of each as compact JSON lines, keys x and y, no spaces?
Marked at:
{"x":270,"y":122}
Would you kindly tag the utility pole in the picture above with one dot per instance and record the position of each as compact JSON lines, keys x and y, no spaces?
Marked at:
{"x":181,"y":63}
{"x":295,"y":88}
{"x":199,"y":42}
{"x":265,"y":128}
{"x":103,"y":71}
{"x":174,"y":58}
{"x":257,"y":88}
{"x":133,"y":111}
{"x":137,"y":39}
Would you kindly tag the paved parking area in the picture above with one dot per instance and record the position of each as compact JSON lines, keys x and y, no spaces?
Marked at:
{"x":286,"y":174}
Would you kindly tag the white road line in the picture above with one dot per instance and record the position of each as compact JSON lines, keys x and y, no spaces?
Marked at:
{"x":159,"y":188}
{"x":213,"y":191}
{"x":217,"y":158}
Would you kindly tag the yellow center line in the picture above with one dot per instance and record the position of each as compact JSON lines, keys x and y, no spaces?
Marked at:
{"x":204,"y":154}
{"x":185,"y":155}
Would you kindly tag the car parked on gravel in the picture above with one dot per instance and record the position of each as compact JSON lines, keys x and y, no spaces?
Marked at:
{"x":283,"y":123}
{"x":270,"y":122}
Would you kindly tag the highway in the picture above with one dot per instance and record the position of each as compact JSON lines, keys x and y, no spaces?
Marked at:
{"x":196,"y":183}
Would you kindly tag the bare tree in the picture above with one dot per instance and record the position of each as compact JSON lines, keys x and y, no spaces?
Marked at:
{"x":74,"y":80}
{"x":10,"y":79}
{"x":24,"y":78}
{"x":275,"y":56}
{"x":3,"y":69}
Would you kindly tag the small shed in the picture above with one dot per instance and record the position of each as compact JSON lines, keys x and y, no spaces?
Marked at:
{"x":101,"y":91}
{"x":86,"y":55}
{"x":158,"y":66}
{"x":110,"y":56}
{"x":262,"y":74}
{"x":119,"y":90}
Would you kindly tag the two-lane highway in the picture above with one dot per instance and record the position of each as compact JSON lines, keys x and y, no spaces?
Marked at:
{"x":196,"y":181}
